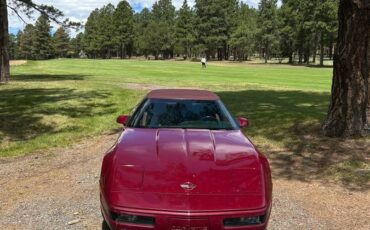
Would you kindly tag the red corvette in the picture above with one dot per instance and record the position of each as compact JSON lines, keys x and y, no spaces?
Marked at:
{"x":182,"y":163}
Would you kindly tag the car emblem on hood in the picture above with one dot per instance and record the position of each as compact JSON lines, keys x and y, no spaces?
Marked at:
{"x":188,"y":186}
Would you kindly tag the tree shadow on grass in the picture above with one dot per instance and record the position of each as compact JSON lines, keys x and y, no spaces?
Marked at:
{"x":287,"y":127}
{"x":297,"y":65}
{"x":47,"y":77}
{"x":24,"y":111}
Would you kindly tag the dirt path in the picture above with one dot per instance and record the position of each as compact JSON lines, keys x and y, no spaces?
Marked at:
{"x":48,"y":190}
{"x":17,"y":62}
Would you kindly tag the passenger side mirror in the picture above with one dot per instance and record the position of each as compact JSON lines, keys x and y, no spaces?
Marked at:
{"x":243,"y":122}
{"x":122,"y":119}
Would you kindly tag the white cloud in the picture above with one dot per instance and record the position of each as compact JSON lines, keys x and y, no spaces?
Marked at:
{"x":79,"y":10}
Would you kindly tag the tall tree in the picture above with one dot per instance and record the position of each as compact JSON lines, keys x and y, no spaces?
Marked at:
{"x":25,"y":42}
{"x":99,"y":37}
{"x":4,"y":43}
{"x":244,"y":36}
{"x":163,"y":20}
{"x":211,"y":26}
{"x":230,"y":13}
{"x":124,"y":28}
{"x":106,"y":31}
{"x":90,"y":39}
{"x":41,"y":41}
{"x":17,"y":45}
{"x":75,"y":45}
{"x":349,"y":110}
{"x":306,"y":29}
{"x":185,"y":33}
{"x":153,"y":39}
{"x":288,"y":15}
{"x":326,"y":23}
{"x":12,"y":46}
{"x":268,"y":25}
{"x":141,"y":41}
{"x":27,"y":7}
{"x":61,"y":42}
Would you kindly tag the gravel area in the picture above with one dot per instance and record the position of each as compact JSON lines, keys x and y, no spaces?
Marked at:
{"x":59,"y":190}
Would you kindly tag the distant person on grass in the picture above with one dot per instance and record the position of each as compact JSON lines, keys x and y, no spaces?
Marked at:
{"x":204,"y":62}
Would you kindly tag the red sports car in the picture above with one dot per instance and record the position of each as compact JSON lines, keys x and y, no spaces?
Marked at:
{"x":182,"y":163}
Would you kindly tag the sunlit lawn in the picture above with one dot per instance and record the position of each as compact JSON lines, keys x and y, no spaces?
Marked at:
{"x":57,"y":102}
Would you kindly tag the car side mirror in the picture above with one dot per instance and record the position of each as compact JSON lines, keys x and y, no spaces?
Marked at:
{"x":243,"y":122}
{"x":122,"y":119}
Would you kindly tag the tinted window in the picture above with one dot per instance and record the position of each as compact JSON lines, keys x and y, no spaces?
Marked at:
{"x":192,"y":114}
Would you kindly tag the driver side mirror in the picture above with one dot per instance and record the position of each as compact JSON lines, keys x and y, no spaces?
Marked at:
{"x":122,"y":119}
{"x":243,"y":122}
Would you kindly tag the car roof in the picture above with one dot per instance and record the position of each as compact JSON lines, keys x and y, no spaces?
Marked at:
{"x":182,"y":94}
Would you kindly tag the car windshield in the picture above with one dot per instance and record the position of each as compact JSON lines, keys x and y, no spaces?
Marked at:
{"x":186,"y":114}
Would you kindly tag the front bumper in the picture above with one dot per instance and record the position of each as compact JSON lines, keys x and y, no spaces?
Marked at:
{"x":168,"y":220}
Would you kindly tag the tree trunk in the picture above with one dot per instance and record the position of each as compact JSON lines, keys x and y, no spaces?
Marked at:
{"x":121,"y":51}
{"x":290,"y":58}
{"x":306,"y":57}
{"x":321,"y":49}
{"x":266,"y":53}
{"x":124,"y":51}
{"x":331,"y":51}
{"x":4,"y":44}
{"x":300,"y":54}
{"x":226,"y":52}
{"x":2,"y":80}
{"x":349,"y":107}
{"x":368,"y":85}
{"x":315,"y":49}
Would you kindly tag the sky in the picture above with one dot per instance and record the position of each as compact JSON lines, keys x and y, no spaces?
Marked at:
{"x":79,"y":10}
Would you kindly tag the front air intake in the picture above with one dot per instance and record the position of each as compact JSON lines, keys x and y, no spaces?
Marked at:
{"x":244,"y":221}
{"x":132,"y":219}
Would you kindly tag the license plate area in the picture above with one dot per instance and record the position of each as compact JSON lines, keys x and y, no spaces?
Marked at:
{"x":189,"y":224}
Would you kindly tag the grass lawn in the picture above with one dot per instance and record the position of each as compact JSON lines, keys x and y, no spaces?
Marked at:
{"x":54,"y":103}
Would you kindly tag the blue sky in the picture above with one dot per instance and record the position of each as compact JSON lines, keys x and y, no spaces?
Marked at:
{"x":79,"y":10}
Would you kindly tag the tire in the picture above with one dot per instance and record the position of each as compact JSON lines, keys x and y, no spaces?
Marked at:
{"x":104,"y":226}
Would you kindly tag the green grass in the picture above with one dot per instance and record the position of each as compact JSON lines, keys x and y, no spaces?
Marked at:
{"x":351,"y":171}
{"x":57,"y":102}
{"x":279,"y":92}
{"x":186,"y":74}
{"x":52,"y":103}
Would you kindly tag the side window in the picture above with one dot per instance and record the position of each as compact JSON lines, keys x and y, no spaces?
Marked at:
{"x":135,"y":112}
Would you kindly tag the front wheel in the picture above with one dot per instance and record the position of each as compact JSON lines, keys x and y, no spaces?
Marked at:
{"x":104,"y":226}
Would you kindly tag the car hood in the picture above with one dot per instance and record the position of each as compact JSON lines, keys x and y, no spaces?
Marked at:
{"x":186,"y":169}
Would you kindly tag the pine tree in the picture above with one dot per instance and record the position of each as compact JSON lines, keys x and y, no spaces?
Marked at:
{"x":61,"y":42}
{"x":12,"y":46}
{"x":99,"y":37}
{"x":211,"y":25}
{"x":4,"y":43}
{"x":75,"y":45}
{"x":41,"y":39}
{"x":17,"y":45}
{"x":288,"y":16}
{"x":163,"y":21}
{"x":185,"y":33}
{"x":231,"y":11}
{"x":106,"y":31}
{"x":243,"y":38}
{"x":306,"y":30}
{"x":124,"y":28}
{"x":268,"y":25}
{"x":25,"y":42}
{"x":326,"y":23}
{"x":141,"y":22}
{"x":90,"y":39}
{"x":152,"y":38}
{"x":349,"y":110}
